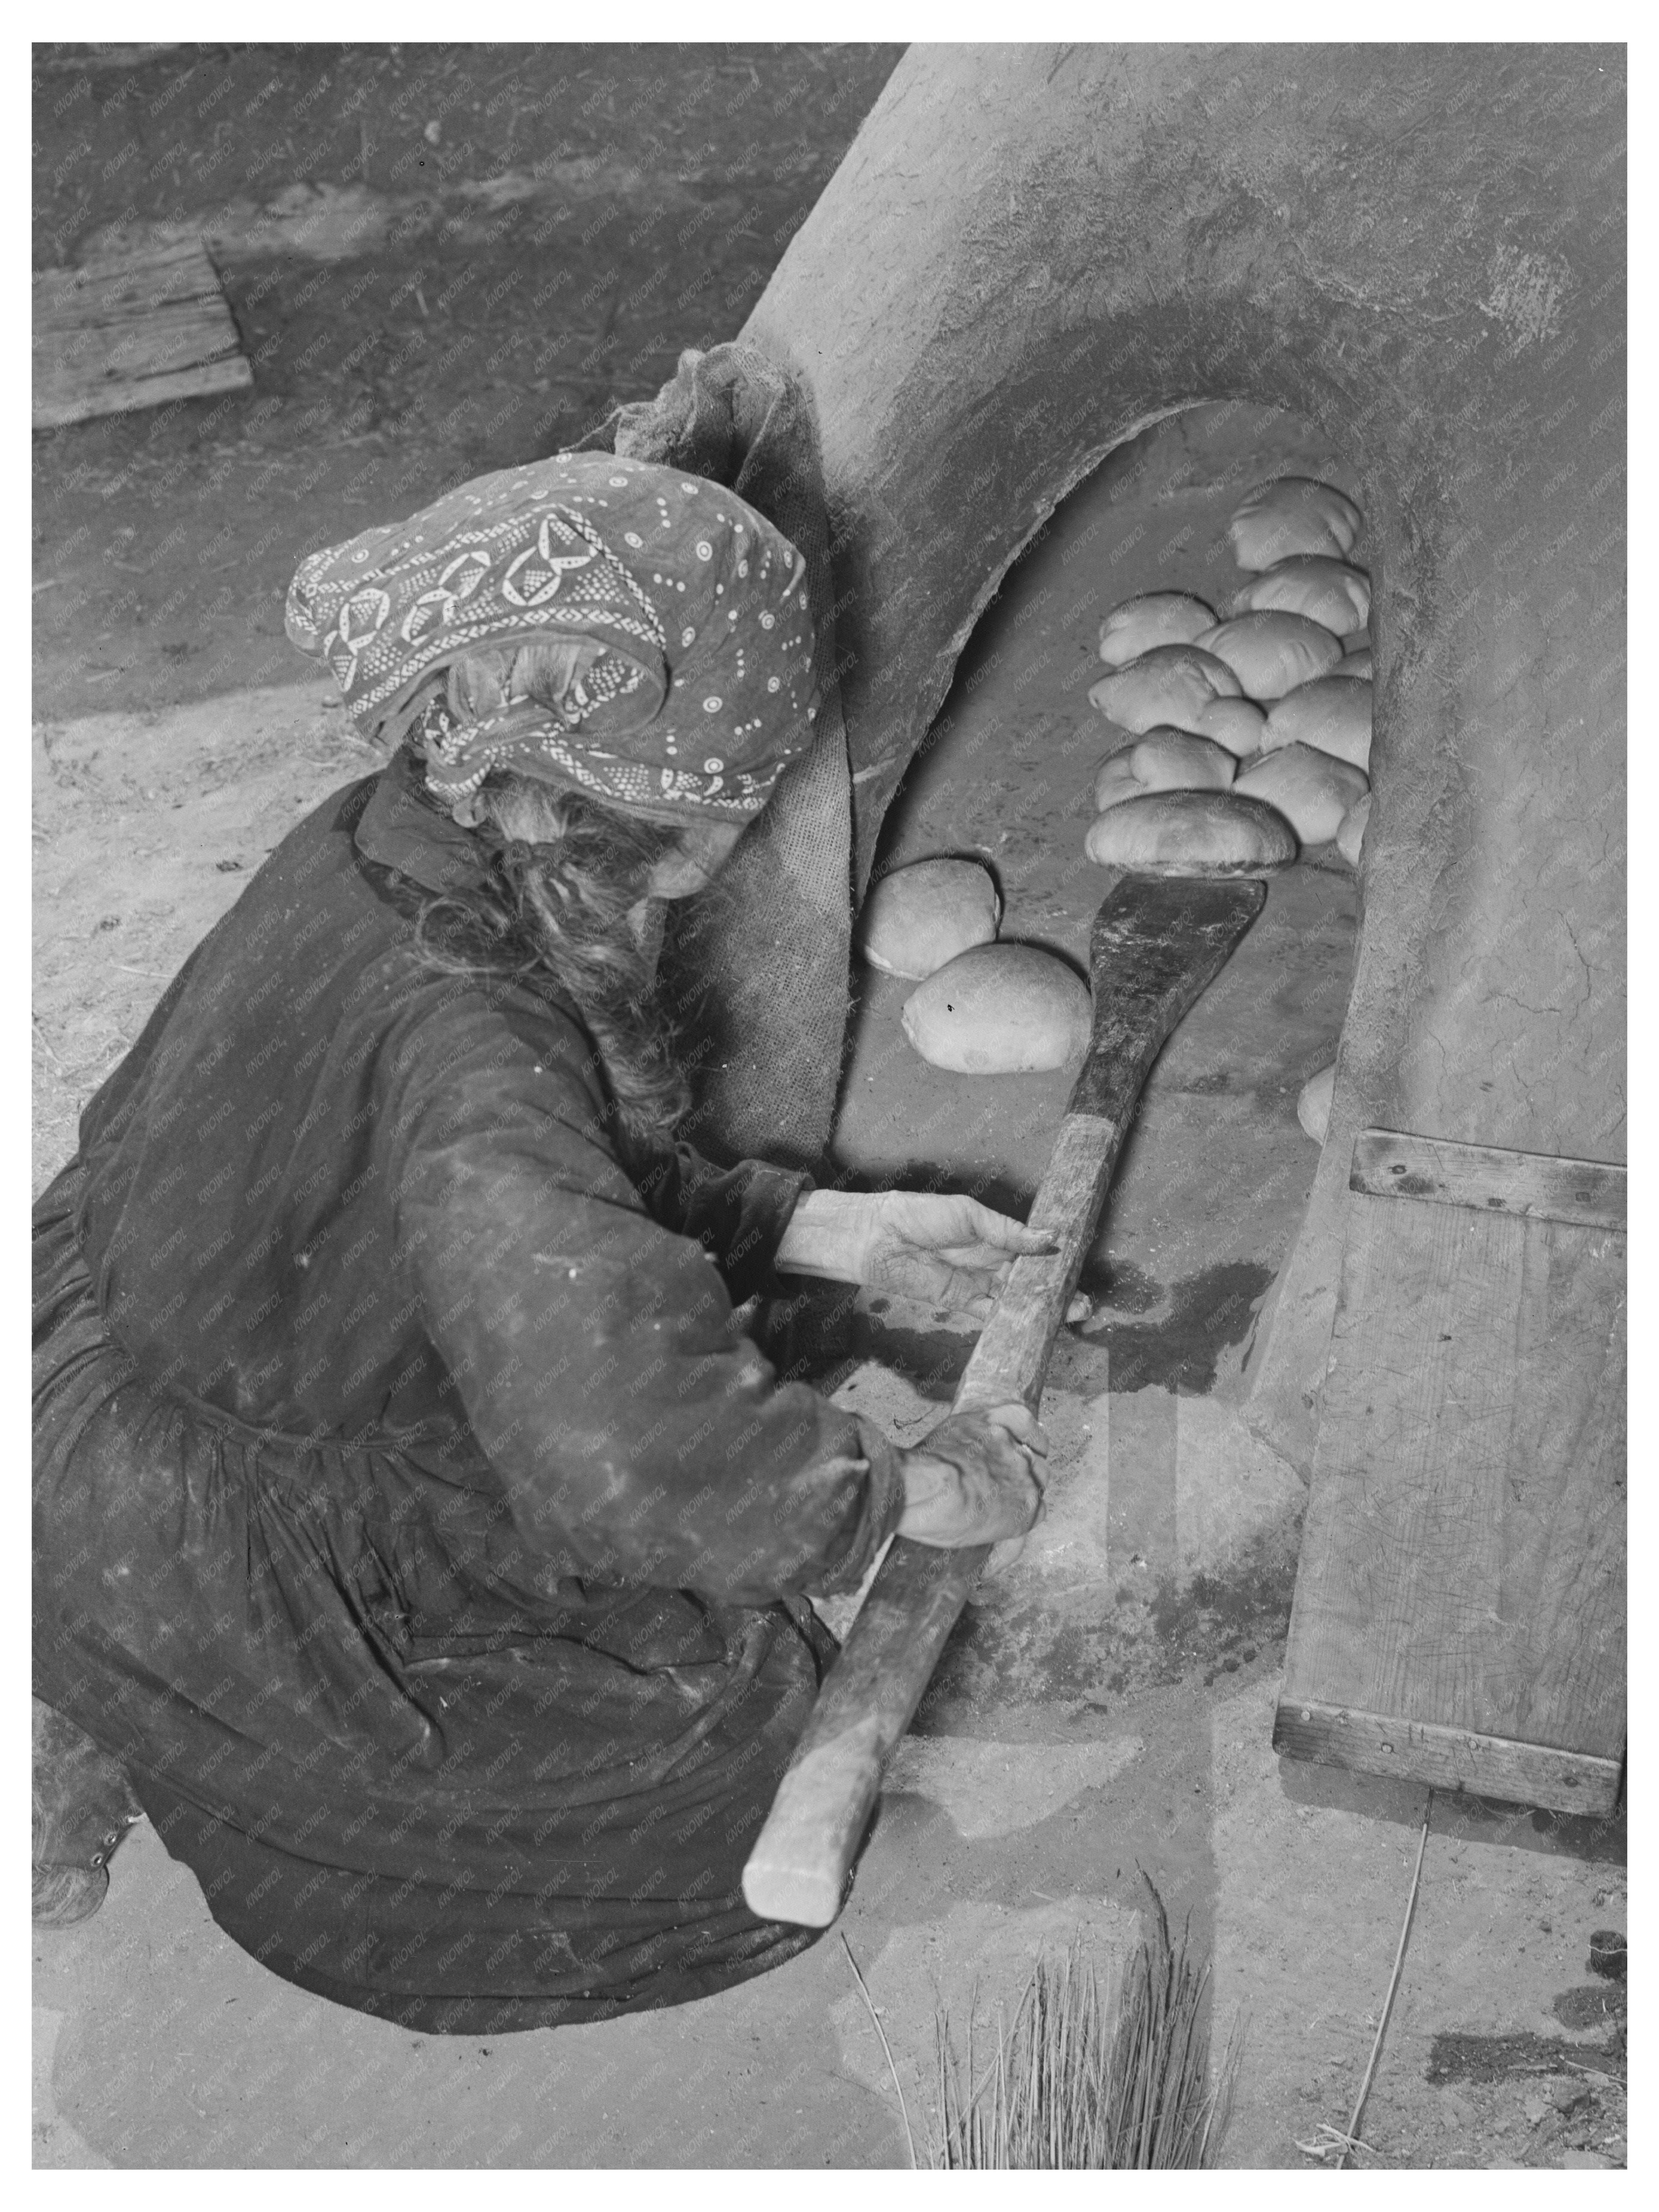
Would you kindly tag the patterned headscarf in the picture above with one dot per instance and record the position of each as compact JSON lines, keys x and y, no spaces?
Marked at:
{"x":701,"y":693}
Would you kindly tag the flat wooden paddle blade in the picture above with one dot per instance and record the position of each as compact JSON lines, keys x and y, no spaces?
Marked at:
{"x":1158,"y":942}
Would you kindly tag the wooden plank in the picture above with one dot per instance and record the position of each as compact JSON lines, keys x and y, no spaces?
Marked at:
{"x":134,"y":330}
{"x":1387,"y":1164}
{"x":1463,"y":1556}
{"x":1155,"y":948}
{"x":1450,"y":1759}
{"x":81,"y":405}
{"x":115,"y":284}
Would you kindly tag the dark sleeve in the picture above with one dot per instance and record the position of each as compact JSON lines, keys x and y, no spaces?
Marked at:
{"x":639,"y":1437}
{"x":737,"y":1214}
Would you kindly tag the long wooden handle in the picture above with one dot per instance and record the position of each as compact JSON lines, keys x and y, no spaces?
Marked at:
{"x":798,"y":1866}
{"x":1155,"y":948}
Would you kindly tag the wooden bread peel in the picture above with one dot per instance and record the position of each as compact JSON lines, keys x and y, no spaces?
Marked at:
{"x":1156,"y":943}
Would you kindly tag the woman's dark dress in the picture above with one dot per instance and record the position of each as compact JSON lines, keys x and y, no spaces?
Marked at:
{"x":410,"y":1516}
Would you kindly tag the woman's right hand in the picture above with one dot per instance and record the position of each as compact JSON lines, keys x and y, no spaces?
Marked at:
{"x":976,"y":1478}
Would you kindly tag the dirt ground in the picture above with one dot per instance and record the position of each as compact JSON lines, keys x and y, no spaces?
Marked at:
{"x":1105,"y":1708}
{"x":439,"y":258}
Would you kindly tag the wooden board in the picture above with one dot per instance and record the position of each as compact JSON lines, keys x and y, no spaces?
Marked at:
{"x":133,"y":331}
{"x":1459,"y":1616}
{"x":1590,"y":1192}
{"x":1449,"y":1757}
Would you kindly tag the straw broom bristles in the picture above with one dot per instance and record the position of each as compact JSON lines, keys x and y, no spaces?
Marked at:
{"x":1059,"y":2091}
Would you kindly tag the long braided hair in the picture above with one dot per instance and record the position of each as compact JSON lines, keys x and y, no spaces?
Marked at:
{"x":565,"y":871}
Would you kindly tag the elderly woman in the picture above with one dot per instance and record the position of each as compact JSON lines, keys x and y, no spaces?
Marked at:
{"x":419,"y":1541}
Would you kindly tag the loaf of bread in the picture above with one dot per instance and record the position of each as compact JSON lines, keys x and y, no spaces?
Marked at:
{"x":1332,"y":714}
{"x":1192,"y":833}
{"x":1350,"y":834}
{"x":1328,"y":591}
{"x":1313,"y":1105}
{"x":1000,"y":1010}
{"x":1163,"y":760}
{"x":1270,"y":653}
{"x":1312,"y":790}
{"x":1168,"y":685}
{"x":1356,"y":661}
{"x":1293,"y":515}
{"x":917,"y":918}
{"x":1155,"y":618}
{"x":1236,"y":723}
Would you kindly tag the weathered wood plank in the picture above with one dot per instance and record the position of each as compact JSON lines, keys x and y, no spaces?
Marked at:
{"x":1448,"y":1759}
{"x":199,"y":382}
{"x":118,"y":284}
{"x":1387,"y":1164}
{"x":135,"y":330}
{"x":1463,"y":1555}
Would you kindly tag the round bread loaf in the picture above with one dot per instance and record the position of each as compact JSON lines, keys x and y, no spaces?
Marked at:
{"x":1313,"y":1105}
{"x":1156,"y":618}
{"x":1236,"y":723}
{"x":1163,"y":760}
{"x":1000,"y":1010}
{"x":1351,"y":836}
{"x":1271,"y":652}
{"x":1332,"y":714}
{"x":917,"y":918}
{"x":1329,"y":592}
{"x":1116,"y":780}
{"x":1293,"y":515}
{"x":1168,"y":685}
{"x":1356,"y":661}
{"x":1192,"y":833}
{"x":1311,"y":790}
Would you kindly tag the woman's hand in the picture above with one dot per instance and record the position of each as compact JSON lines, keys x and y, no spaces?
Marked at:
{"x":976,"y":1478}
{"x":943,"y":1249}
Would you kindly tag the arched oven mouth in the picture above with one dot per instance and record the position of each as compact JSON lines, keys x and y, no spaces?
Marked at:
{"x":1089,"y":722}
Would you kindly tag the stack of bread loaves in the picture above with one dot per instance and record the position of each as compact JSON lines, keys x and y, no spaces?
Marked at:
{"x":1236,"y":738}
{"x":1239,"y":738}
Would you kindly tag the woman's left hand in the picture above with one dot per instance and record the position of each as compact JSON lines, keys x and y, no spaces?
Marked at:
{"x":942,"y":1248}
